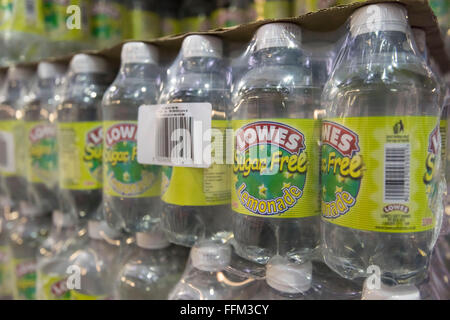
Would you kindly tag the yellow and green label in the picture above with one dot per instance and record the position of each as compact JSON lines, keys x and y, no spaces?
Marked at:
{"x":6,"y":13}
{"x":275,"y":171}
{"x":54,"y":287}
{"x":76,"y":295}
{"x":108,"y":19}
{"x":56,"y":16}
{"x":275,"y":9}
{"x":80,"y":147}
{"x":25,"y":270}
{"x":170,"y":26}
{"x":197,"y":23}
{"x":42,"y":154}
{"x":27,"y":16}
{"x":123,"y":175}
{"x":198,"y":186}
{"x":145,"y":24}
{"x":6,"y":272}
{"x":378,"y":173}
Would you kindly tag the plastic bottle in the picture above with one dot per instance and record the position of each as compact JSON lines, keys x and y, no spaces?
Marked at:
{"x":80,"y":136}
{"x":202,"y":211}
{"x":381,"y":100}
{"x":131,"y":192}
{"x":152,"y":269}
{"x":96,"y":261}
{"x":52,"y":258}
{"x":196,"y":15}
{"x":39,"y":115}
{"x":145,"y":19}
{"x":13,"y":169}
{"x":206,"y":276}
{"x":109,"y":23}
{"x":170,"y":17}
{"x":26,"y":237}
{"x":275,"y":207}
{"x":24,"y":32}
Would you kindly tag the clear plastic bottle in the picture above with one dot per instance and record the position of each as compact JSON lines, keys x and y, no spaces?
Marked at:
{"x":80,"y":136}
{"x":52,"y":259}
{"x":131,"y":192}
{"x":39,"y":115}
{"x":98,"y":260}
{"x":13,"y":171}
{"x":196,"y":200}
{"x":24,"y":30}
{"x":276,"y":207}
{"x":206,"y":276}
{"x":287,"y":281}
{"x":26,"y":237}
{"x":152,"y":268}
{"x":381,"y":100}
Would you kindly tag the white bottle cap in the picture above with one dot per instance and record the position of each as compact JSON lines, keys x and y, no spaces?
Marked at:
{"x":211,"y":256}
{"x":152,"y":240}
{"x":379,"y":17}
{"x":86,"y":63}
{"x":19,"y":73}
{"x":139,"y":52}
{"x":288,"y":277}
{"x":201,"y":46}
{"x":48,"y":70}
{"x":384,"y":292}
{"x":420,"y":39}
{"x":99,"y":230}
{"x":278,"y":34}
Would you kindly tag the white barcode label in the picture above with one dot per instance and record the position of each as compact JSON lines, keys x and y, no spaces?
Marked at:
{"x":396,"y":172}
{"x":175,"y":134}
{"x":7,"y":163}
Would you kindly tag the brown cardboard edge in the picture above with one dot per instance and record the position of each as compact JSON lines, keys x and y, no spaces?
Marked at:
{"x":419,"y":12}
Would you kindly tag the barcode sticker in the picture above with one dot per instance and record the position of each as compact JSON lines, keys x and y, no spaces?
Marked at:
{"x":396,"y":172}
{"x":175,"y":134}
{"x":7,"y":163}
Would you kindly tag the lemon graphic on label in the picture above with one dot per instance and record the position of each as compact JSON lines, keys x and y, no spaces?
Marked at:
{"x":262,"y":191}
{"x":126,"y":176}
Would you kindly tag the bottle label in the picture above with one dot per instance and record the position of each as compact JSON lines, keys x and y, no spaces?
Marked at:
{"x":55,"y":15}
{"x":6,"y":13}
{"x":145,"y":24}
{"x":42,"y":153}
{"x":25,"y":270}
{"x":378,"y":173}
{"x":75,"y":295}
{"x":123,"y":175}
{"x":80,"y":147}
{"x":107,"y":20}
{"x":7,"y":148}
{"x":27,"y":16}
{"x":6,"y":274}
{"x":275,"y":171}
{"x":170,"y":26}
{"x":54,"y":287}
{"x":197,"y":186}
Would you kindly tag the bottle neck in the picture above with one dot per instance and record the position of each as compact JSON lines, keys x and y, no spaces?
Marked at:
{"x":277,"y":56}
{"x":139,"y":71}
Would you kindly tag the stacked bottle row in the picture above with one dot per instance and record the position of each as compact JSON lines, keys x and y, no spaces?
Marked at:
{"x":335,"y":173}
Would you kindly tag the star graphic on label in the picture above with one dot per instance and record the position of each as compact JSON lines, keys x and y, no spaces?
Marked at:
{"x":286,"y":185}
{"x":126,"y":176}
{"x":287,"y":174}
{"x":262,"y":190}
{"x":338,"y":189}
